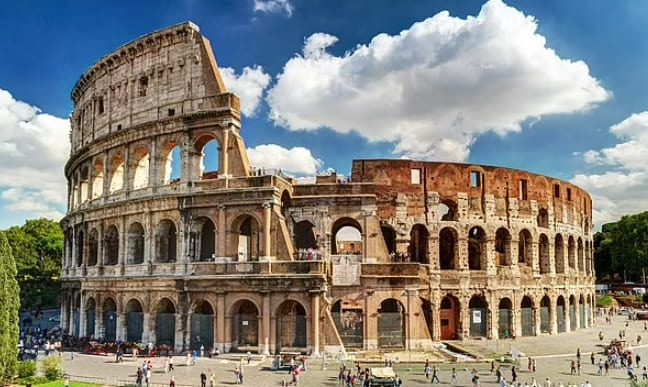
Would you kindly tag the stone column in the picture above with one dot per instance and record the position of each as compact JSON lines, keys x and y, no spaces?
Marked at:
{"x":273,"y":334}
{"x":221,"y":248}
{"x":224,"y":155}
{"x":567,"y":316}
{"x":82,"y":315}
{"x":267,"y":217}
{"x":553,"y":326}
{"x":494,"y":321}
{"x":577,"y":313}
{"x":120,"y":333}
{"x":178,"y":336}
{"x":220,"y":322}
{"x":266,"y":324}
{"x":64,"y":311}
{"x":146,"y":328}
{"x":98,"y":326}
{"x":537,"y":319}
{"x":436,"y":319}
{"x":315,"y":321}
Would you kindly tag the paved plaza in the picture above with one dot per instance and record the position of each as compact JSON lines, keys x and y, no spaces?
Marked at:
{"x":553,"y":355}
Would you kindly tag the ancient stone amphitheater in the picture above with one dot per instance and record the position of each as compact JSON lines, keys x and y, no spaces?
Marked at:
{"x":400,"y":255}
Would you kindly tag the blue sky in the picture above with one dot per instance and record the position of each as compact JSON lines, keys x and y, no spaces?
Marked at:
{"x":565,"y":98}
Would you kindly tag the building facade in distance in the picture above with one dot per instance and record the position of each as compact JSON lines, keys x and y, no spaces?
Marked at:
{"x":244,"y":258}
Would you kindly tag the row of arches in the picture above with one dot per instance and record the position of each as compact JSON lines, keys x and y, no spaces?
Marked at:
{"x":138,"y":169}
{"x":201,"y":243}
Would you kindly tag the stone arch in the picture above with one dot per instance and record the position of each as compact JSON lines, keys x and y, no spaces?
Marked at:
{"x":134,"y":313}
{"x":545,"y":312}
{"x":291,"y":325}
{"x":525,"y":247}
{"x":543,"y":218}
{"x":169,"y":152}
{"x":109,"y":307}
{"x":543,"y":254}
{"x":165,"y":321}
{"x":247,"y":230}
{"x":305,"y":236}
{"x":203,"y":239}
{"x":572,"y":313}
{"x":561,"y":312}
{"x":418,"y":245}
{"x":448,"y":248}
{"x":349,"y":322}
{"x":391,"y":324}
{"x":166,"y":241}
{"x":204,"y":147}
{"x":90,"y":313}
{"x":389,"y":236}
{"x":245,"y":325}
{"x":286,"y":202}
{"x":559,"y":254}
{"x":141,"y":161}
{"x":477,"y":248}
{"x":503,"y":246}
{"x":348,"y":245}
{"x":97,"y":179}
{"x":84,"y":177}
{"x":135,"y":245}
{"x":449,"y":314}
{"x":581,"y":310}
{"x":116,"y":174}
{"x":448,"y":210}
{"x":93,"y":247}
{"x":571,"y":252}
{"x":80,"y":247}
{"x":202,"y":325}
{"x":527,"y":316}
{"x":505,"y":323}
{"x":111,"y":251}
{"x":478,"y":309}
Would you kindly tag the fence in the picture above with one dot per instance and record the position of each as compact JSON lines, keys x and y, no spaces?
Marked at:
{"x":391,"y":332}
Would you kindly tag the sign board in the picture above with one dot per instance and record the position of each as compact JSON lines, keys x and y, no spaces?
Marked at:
{"x":346,"y":272}
{"x":476,"y":316}
{"x":245,"y":323}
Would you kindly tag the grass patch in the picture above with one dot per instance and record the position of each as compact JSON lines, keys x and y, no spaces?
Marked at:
{"x":59,"y":383}
{"x":605,"y":301}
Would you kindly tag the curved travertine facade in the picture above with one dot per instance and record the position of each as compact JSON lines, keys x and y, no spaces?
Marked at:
{"x":245,"y":258}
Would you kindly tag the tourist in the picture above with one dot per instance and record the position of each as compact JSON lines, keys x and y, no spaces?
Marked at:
{"x":492,"y":366}
{"x":529,"y":364}
{"x":600,"y":367}
{"x":533,"y":366}
{"x":188,"y":359}
{"x":139,"y":377}
{"x":427,"y":371}
{"x":606,"y":365}
{"x":600,"y":336}
{"x":572,"y":367}
{"x":578,"y":354}
{"x":237,"y":379}
{"x":435,"y":374}
{"x":148,"y":376}
{"x":249,"y":356}
{"x":630,"y":372}
{"x":637,"y":360}
{"x":513,"y":375}
{"x":498,"y":373}
{"x":502,"y":382}
{"x":170,"y":363}
{"x":212,"y":378}
{"x":644,"y":374}
{"x":202,"y":350}
{"x":547,"y":382}
{"x":592,"y":357}
{"x":454,"y":379}
{"x":241,"y":374}
{"x":172,"y":382}
{"x":203,"y":379}
{"x":578,"y":364}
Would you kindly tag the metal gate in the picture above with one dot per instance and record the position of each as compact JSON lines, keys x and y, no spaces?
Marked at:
{"x":248,"y":329}
{"x":134,"y":326}
{"x":292,"y":330}
{"x":77,"y":322}
{"x":349,"y":327}
{"x":165,"y":329}
{"x":110,"y":325}
{"x":544,"y":319}
{"x":478,"y":322}
{"x":202,"y":331}
{"x":505,"y":323}
{"x":528,"y":322}
{"x":572,"y":318}
{"x":560,"y":318}
{"x":581,"y":310}
{"x":391,"y":330}
{"x":90,"y":322}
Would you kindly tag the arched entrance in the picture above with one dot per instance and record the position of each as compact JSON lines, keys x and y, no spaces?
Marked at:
{"x":111,"y":254}
{"x":505,"y":324}
{"x":560,"y":314}
{"x":135,"y":254}
{"x":248,"y":239}
{"x":245,"y":327}
{"x":478,"y":309}
{"x":134,"y":321}
{"x":572,"y":313}
{"x":449,"y":317}
{"x":291,"y":325}
{"x":559,"y":253}
{"x":543,"y":254}
{"x":202,"y":326}
{"x":91,"y":306}
{"x":571,"y":252}
{"x":391,"y":324}
{"x":305,"y":236}
{"x":166,"y":241}
{"x":418,"y":245}
{"x":545,"y":308}
{"x":347,"y":315}
{"x":165,"y":322}
{"x":428,"y":313}
{"x":203,"y":240}
{"x":476,"y":248}
{"x":346,"y":237}
{"x":527,"y":316}
{"x":447,"y":249}
{"x":110,"y":320}
{"x":93,"y":242}
{"x":389,"y":236}
{"x":581,"y":311}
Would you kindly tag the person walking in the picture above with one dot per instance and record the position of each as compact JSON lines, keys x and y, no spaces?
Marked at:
{"x":547,"y":382}
{"x":600,"y":367}
{"x":427,"y":371}
{"x":578,"y":354}
{"x":637,"y":360}
{"x":148,"y":377}
{"x":172,"y":381}
{"x":592,"y":357}
{"x":533,"y":366}
{"x":203,"y":379}
{"x":498,"y":373}
{"x":606,"y":365}
{"x":435,"y":374}
{"x":513,"y":375}
{"x":454,"y":379}
{"x":139,"y":377}
{"x":572,"y":367}
{"x":170,"y":363}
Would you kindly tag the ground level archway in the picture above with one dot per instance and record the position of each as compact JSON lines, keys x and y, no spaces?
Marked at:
{"x":391,"y":324}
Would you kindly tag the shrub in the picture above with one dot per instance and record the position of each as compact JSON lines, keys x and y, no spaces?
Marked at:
{"x":26,"y":369}
{"x":52,"y":367}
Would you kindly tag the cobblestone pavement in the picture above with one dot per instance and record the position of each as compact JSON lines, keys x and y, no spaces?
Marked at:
{"x":554,"y":354}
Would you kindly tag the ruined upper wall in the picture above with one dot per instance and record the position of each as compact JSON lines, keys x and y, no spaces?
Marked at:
{"x":166,"y":73}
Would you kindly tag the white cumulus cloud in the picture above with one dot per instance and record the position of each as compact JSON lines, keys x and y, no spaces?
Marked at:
{"x":249,"y":86}
{"x":297,"y":160}
{"x":433,"y":88}
{"x":621,"y":187}
{"x":268,"y":6}
{"x":33,"y":149}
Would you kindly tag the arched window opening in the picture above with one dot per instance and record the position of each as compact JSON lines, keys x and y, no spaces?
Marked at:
{"x":543,"y":218}
{"x":571,"y":252}
{"x":478,"y":308}
{"x":581,"y":261}
{"x":84,"y":186}
{"x":449,"y":316}
{"x":545,"y":307}
{"x":80,"y":248}
{"x":448,"y":211}
{"x":391,"y":324}
{"x":559,"y":253}
{"x":90,"y":317}
{"x":141,"y":166}
{"x":447,"y":249}
{"x":208,"y":150}
{"x":98,"y":179}
{"x":525,"y":248}
{"x":202,"y":326}
{"x":346,"y":237}
{"x":476,"y":248}
{"x":503,"y":247}
{"x":172,"y":167}
{"x":135,"y":254}
{"x":560,"y":314}
{"x":505,"y":323}
{"x":291,"y":325}
{"x":166,"y":241}
{"x":93,"y":258}
{"x":285,"y":203}
{"x":347,"y":315}
{"x":116,"y":174}
{"x":543,"y":254}
{"x":305,"y":237}
{"x":418,"y":246}
{"x":134,"y":321}
{"x":245,"y":326}
{"x":112,"y":246}
{"x":248,"y":239}
{"x":389,"y":236}
{"x":165,"y":323}
{"x":528,"y":317}
{"x":203,"y":240}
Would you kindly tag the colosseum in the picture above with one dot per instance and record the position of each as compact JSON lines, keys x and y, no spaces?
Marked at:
{"x":401,"y":254}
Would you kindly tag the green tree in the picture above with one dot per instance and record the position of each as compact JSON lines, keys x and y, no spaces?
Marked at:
{"x":9,"y":307}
